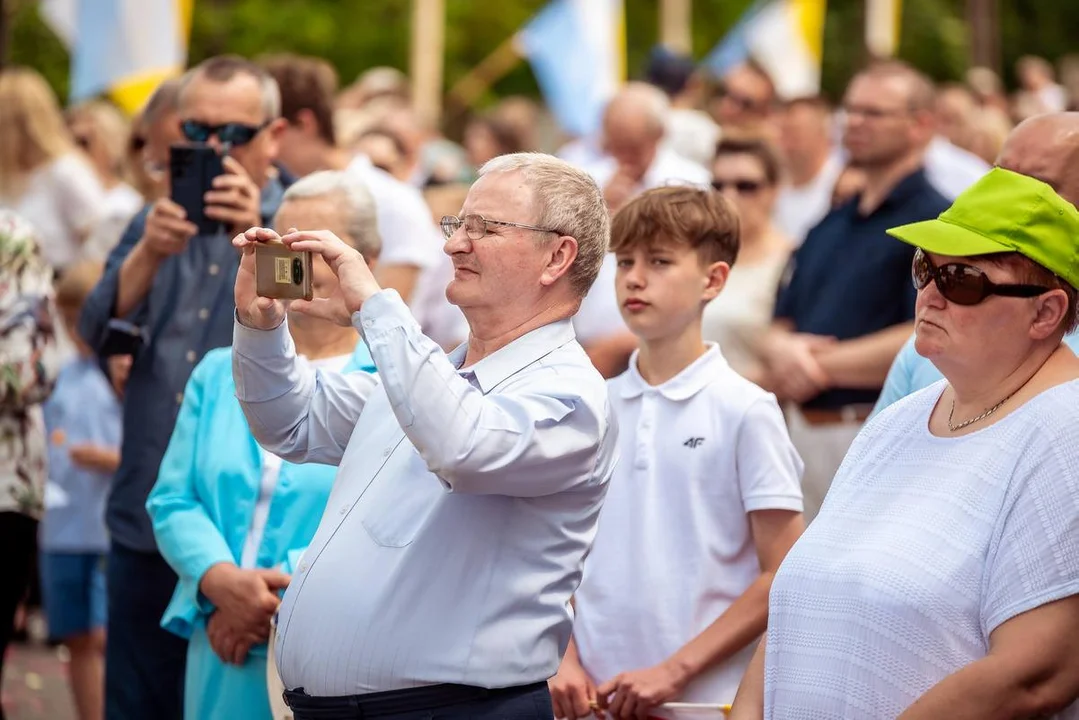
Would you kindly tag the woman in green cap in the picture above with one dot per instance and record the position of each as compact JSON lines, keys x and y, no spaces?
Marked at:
{"x":941,"y":578}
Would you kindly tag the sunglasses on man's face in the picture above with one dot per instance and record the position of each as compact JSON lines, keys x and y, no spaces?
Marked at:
{"x":742,"y":187}
{"x":233,"y":134}
{"x":965,"y":284}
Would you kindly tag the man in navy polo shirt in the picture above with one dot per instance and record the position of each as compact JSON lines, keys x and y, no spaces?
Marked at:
{"x":846,"y":305}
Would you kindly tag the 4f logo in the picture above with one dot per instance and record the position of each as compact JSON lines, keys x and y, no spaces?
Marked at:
{"x":693,"y":442}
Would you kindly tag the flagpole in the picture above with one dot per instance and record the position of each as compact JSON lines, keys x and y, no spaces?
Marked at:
{"x":5,"y":39}
{"x":675,"y":25}
{"x":428,"y":47}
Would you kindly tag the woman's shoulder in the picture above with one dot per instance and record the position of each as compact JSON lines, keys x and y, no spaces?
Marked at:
{"x":215,"y":364}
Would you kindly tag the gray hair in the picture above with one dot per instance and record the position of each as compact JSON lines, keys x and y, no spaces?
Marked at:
{"x":223,"y":68}
{"x":357,"y":204}
{"x":568,"y":201}
{"x":642,"y":100}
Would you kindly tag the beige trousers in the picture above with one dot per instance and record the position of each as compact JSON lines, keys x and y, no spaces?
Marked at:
{"x":822,"y":448}
{"x":274,"y":685}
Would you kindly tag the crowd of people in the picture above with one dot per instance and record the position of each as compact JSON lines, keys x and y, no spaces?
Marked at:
{"x":746,"y":400}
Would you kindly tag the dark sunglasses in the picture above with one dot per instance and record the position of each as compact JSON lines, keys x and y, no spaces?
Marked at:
{"x":965,"y":284}
{"x":743,"y":187}
{"x":233,"y":134}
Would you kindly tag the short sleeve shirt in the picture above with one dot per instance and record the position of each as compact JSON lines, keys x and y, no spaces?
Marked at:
{"x":850,"y":278}
{"x":923,"y":547}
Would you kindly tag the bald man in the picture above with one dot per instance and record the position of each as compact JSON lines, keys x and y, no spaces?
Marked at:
{"x":636,"y":159}
{"x":1045,"y":147}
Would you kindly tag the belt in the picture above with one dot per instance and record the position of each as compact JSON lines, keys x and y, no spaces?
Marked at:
{"x":392,"y":702}
{"x":845,"y":414}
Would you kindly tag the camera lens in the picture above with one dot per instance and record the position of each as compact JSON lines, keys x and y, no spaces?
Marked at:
{"x":297,"y":271}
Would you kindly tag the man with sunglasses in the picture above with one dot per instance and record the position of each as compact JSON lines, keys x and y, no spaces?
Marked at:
{"x":846,"y":305}
{"x":166,"y":298}
{"x":1045,"y":147}
{"x":746,"y":98}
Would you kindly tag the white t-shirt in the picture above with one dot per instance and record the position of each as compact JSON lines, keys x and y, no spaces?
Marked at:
{"x":599,"y":315}
{"x":410,"y":237}
{"x":951,"y":169}
{"x":923,"y":547}
{"x":693,"y":135}
{"x":271,"y":471}
{"x":799,"y":209}
{"x":63,"y":200}
{"x":673,"y":549}
{"x":121,"y":204}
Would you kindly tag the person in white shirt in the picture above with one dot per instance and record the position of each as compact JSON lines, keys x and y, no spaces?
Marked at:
{"x":411,"y":260}
{"x":1039,"y":82}
{"x":469,"y":484}
{"x":811,"y":162}
{"x":635,"y":160}
{"x":43,"y":176}
{"x":705,"y":501}
{"x":941,"y":577}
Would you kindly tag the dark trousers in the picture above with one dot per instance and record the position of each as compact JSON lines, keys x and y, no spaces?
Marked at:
{"x":18,"y":538}
{"x":144,"y":664}
{"x":438,"y":702}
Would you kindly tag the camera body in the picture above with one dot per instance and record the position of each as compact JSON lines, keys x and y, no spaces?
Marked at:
{"x":281,"y":273}
{"x":192,"y":169}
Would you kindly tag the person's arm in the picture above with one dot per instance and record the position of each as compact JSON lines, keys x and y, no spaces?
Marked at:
{"x":97,"y":310}
{"x":1031,"y":671}
{"x":749,"y":701}
{"x":863,"y":362}
{"x":166,"y":233}
{"x":96,"y":457}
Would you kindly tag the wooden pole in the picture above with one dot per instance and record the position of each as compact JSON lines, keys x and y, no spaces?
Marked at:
{"x":5,"y":32}
{"x":491,"y":69}
{"x":882,"y":27}
{"x":428,"y":47}
{"x":676,"y":25}
{"x":984,"y":22}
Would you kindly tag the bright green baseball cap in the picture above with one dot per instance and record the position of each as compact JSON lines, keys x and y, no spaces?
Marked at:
{"x":1005,"y":212}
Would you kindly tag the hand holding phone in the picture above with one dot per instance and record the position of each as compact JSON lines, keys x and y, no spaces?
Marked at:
{"x":254,"y":306}
{"x":233,"y":198}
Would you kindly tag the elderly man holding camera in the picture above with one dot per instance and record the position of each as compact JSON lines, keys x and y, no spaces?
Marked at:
{"x":469,"y":485}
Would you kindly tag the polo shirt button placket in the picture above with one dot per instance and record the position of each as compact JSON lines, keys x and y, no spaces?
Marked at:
{"x":644,"y":437}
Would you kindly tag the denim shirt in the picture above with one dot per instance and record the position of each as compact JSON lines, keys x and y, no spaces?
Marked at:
{"x":209,"y":485}
{"x":188,"y":312}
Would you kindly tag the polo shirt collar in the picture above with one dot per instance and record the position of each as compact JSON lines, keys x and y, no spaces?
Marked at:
{"x":684,"y":385}
{"x":905,"y":189}
{"x":514,"y":357}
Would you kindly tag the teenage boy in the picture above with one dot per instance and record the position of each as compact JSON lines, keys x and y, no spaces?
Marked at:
{"x":706,"y":500}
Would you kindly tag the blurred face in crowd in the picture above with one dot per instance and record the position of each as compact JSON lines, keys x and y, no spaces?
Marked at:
{"x":631,"y":136}
{"x":505,"y":267}
{"x":481,"y":143}
{"x":326,"y":212}
{"x":955,"y":108}
{"x":384,"y":153}
{"x":804,"y":132}
{"x":160,"y":134}
{"x":88,"y":137}
{"x":237,"y":100}
{"x":301,"y":149}
{"x":881,"y":126}
{"x":746,"y":98}
{"x":662,"y":286}
{"x":742,"y":179}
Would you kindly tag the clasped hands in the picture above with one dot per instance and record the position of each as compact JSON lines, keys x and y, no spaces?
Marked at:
{"x":244,"y":603}
{"x":626,"y":696}
{"x":355,"y":282}
{"x":793,"y":365}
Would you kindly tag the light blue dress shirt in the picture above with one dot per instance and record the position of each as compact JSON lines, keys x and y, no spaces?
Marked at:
{"x":911,"y":372}
{"x":464,"y":506}
{"x":201,"y":508}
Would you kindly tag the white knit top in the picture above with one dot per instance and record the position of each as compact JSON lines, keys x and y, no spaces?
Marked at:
{"x":924,"y":546}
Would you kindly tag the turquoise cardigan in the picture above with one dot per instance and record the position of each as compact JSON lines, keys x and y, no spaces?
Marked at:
{"x":208,"y":485}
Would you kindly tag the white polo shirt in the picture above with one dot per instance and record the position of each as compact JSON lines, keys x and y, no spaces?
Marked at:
{"x":674,"y":550}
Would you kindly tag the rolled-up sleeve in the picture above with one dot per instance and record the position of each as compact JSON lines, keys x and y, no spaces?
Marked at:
{"x":540,"y":439}
{"x":98,"y":309}
{"x":294,"y":411}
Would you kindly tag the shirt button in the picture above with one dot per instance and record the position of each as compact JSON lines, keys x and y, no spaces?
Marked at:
{"x":303,"y":567}
{"x":215,"y":269}
{"x":387,"y":452}
{"x":179,"y":398}
{"x":343,"y":510}
{"x":191,"y":356}
{"x":204,"y":314}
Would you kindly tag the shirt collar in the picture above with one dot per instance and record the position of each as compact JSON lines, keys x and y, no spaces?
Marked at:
{"x":682,"y":386}
{"x":522,"y":352}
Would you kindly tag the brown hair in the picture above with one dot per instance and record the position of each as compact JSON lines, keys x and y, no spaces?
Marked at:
{"x":921,"y":92}
{"x":759,"y":148}
{"x":683,"y":215}
{"x":76,"y":282}
{"x":306,"y":83}
{"x":1029,"y":272}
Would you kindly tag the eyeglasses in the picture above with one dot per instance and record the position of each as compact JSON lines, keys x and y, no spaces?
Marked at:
{"x":233,"y":134}
{"x":742,"y":187}
{"x":476,"y":226}
{"x":965,"y":284}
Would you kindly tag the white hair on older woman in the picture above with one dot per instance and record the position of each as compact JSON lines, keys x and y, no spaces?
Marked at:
{"x":566,"y":200}
{"x":361,"y":220}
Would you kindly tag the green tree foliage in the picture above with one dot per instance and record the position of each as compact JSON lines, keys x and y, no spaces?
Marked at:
{"x":358,"y":34}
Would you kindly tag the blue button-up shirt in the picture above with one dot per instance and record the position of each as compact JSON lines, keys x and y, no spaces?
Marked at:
{"x":463,"y":508}
{"x":188,"y":311}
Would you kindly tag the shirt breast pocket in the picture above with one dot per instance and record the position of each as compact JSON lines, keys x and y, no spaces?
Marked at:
{"x":400,"y":499}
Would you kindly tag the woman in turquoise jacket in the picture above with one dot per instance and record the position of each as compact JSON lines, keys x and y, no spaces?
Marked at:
{"x":230,"y":518}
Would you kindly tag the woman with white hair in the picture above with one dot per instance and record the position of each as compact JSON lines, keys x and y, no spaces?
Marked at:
{"x":43,"y":176}
{"x":231,"y":519}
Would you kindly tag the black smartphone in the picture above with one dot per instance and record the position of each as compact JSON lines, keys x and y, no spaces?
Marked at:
{"x":122,"y":338}
{"x":192,"y":169}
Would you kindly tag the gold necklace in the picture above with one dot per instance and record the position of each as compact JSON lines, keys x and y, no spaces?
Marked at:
{"x":983,"y":416}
